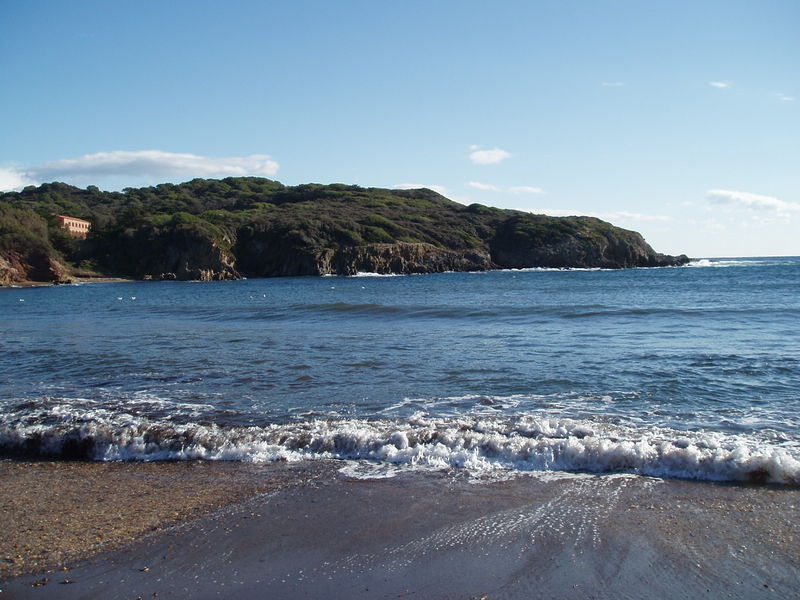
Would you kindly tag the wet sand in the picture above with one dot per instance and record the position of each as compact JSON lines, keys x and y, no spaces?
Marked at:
{"x":311,"y":532}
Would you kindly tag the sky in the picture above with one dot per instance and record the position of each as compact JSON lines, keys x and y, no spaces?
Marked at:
{"x":679,"y":119}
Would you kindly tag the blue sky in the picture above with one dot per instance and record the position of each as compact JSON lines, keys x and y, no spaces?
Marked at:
{"x":680,"y":120}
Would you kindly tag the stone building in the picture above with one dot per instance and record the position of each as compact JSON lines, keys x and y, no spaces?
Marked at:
{"x":76,"y":227}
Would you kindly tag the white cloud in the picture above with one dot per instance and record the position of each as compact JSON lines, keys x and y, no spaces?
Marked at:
{"x":752,"y":201}
{"x":12,"y":179}
{"x":623,"y":215}
{"x":134,"y":166}
{"x":486,"y":187}
{"x":514,"y":189}
{"x":721,"y":84}
{"x":786,"y":98}
{"x":525,"y":189}
{"x":439,"y":189}
{"x":487,"y":157}
{"x":620,"y":216}
{"x":153,"y":163}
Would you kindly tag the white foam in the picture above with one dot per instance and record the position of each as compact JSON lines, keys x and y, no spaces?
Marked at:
{"x":366,"y":274}
{"x":725,"y":262}
{"x":480,"y":445}
{"x":553,"y":269}
{"x":366,"y":470}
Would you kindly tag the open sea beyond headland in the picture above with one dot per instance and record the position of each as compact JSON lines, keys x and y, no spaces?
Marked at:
{"x":689,"y":372}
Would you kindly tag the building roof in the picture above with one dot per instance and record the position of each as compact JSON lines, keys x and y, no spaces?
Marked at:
{"x":72,"y":218}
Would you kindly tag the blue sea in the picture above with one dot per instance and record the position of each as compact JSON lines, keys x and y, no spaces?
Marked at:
{"x":688,"y":372}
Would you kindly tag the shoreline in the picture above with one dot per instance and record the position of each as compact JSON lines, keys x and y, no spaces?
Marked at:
{"x":305,"y":530}
{"x":110,"y":279}
{"x":72,"y":281}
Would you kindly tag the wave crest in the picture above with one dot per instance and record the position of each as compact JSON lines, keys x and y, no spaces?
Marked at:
{"x":480,"y":445}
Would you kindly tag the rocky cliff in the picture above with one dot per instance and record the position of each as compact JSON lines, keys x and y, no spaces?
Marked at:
{"x":402,"y":258}
{"x":176,"y":253}
{"x":34,"y":265}
{"x":266,"y":253}
{"x":577,"y":242}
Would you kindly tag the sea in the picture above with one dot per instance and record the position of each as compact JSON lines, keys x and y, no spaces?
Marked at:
{"x":685,"y":372}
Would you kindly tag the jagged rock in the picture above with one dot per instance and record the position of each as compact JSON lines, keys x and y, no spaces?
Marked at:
{"x":263,"y":251}
{"x":401,"y":258}
{"x":11,"y":269}
{"x":35,"y":265}
{"x":183,"y":254}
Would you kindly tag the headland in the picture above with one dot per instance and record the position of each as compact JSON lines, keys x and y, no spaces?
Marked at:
{"x":253,"y":227}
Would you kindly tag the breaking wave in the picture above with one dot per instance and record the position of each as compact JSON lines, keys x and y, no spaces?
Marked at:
{"x":481,"y":445}
{"x":736,"y":262}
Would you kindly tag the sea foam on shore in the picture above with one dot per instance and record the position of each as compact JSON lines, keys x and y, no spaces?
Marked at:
{"x":480,"y":445}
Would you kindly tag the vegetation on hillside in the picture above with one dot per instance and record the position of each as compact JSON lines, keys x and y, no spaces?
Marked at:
{"x":244,"y":219}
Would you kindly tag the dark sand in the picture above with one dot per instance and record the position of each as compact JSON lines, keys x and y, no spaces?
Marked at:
{"x":313,"y":533}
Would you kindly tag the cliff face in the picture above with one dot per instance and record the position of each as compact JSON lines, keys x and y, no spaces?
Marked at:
{"x":253,"y":227}
{"x":401,"y":258}
{"x":184,"y":254}
{"x":582,"y":243}
{"x":262,"y":259}
{"x":34,"y":265}
{"x":266,"y":252}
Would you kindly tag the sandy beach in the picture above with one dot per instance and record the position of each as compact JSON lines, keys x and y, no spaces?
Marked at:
{"x":57,"y":512}
{"x":76,"y":280}
{"x":208,"y":530}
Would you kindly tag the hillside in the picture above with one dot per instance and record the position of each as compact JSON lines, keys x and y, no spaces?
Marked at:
{"x":254,"y":227}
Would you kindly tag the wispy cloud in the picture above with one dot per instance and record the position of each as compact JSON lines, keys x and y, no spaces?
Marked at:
{"x":154,"y":163}
{"x":751,"y":201}
{"x":620,"y":216}
{"x":485,"y":187}
{"x":786,"y":98}
{"x":514,"y":189}
{"x":487,"y":157}
{"x":721,"y":84}
{"x":439,"y":189}
{"x":139,"y":164}
{"x":624,"y":215}
{"x":525,"y":189}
